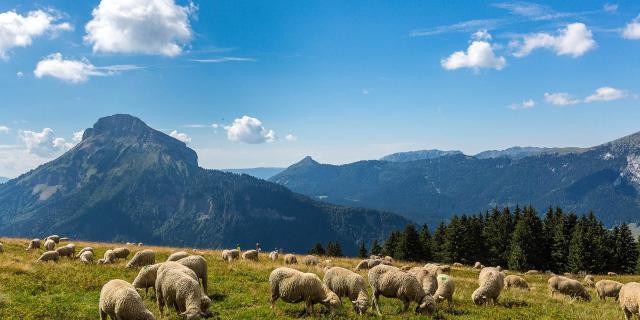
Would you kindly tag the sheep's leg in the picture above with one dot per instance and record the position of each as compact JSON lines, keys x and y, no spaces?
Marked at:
{"x":309,"y":308}
{"x":627,"y":314}
{"x":160,"y":301}
{"x":103,"y":315}
{"x":204,"y":284}
{"x":375,"y":302}
{"x":405,"y":305}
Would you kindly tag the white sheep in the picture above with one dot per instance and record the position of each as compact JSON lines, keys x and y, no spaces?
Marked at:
{"x":49,"y":245}
{"x":458,"y":265}
{"x":109,"y":257}
{"x":273,"y":255}
{"x":121,"y":253}
{"x":54,"y":238}
{"x":590,"y":281}
{"x":392,"y":282}
{"x":294,"y":286}
{"x":446,"y":289}
{"x":177,"y":286}
{"x":629,"y":299}
{"x":146,"y":277}
{"x":478,"y":265}
{"x":346,"y":283}
{"x":566,"y":286}
{"x":375,"y":257}
{"x":67,"y":251}
{"x":250,"y":255}
{"x":370,"y":263}
{"x":120,"y":300}
{"x":290,"y":259}
{"x":177,"y":256}
{"x":49,"y":256}
{"x":428,"y":280}
{"x":490,"y":283}
{"x":532,"y":272}
{"x":142,"y":258}
{"x":608,"y":288}
{"x":311,"y":260}
{"x":33,"y":244}
{"x":229,"y":255}
{"x":84,"y":250}
{"x":86,"y":257}
{"x":140,"y":244}
{"x":611,"y":274}
{"x":199,"y":265}
{"x":514,"y":281}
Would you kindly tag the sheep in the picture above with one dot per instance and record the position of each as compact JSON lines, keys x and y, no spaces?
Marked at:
{"x":491,"y":282}
{"x":290,"y":259}
{"x":1,"y":248}
{"x":49,"y":256}
{"x":109,"y":257}
{"x":590,"y":281}
{"x":608,"y":288}
{"x":121,"y":253}
{"x":458,"y":265}
{"x":477,"y":265}
{"x":130,"y":244}
{"x":49,"y":245}
{"x":611,"y":274}
{"x":570,"y":287}
{"x":85,"y":249}
{"x":54,"y":238}
{"x":120,"y":300}
{"x":513,"y":281}
{"x":64,"y":239}
{"x":388,"y":259}
{"x":67,"y":251}
{"x":311,"y":260}
{"x":177,"y":285}
{"x":437,"y":268}
{"x":199,"y":265}
{"x":146,"y":277}
{"x":629,"y":299}
{"x":375,"y":257}
{"x":327,"y":263}
{"x":446,"y":288}
{"x":392,"y":282}
{"x":142,"y":258}
{"x":405,"y":267}
{"x":346,"y":283}
{"x":177,"y":256}
{"x":229,"y":255}
{"x":427,"y":279}
{"x":532,"y":272}
{"x":140,"y":244}
{"x":369,"y":263}
{"x":294,"y":286}
{"x":86,"y":257}
{"x":34,"y":244}
{"x":273,"y":255}
{"x":250,"y":255}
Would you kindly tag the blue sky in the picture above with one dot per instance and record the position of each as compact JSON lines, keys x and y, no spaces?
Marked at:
{"x":338,"y":80}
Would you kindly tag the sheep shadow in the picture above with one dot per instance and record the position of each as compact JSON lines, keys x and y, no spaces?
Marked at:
{"x":216,"y":297}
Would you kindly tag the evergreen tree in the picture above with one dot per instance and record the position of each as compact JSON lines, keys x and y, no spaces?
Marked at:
{"x":391,"y":245}
{"x":317,"y":249}
{"x":578,"y":249}
{"x":526,"y":242}
{"x":438,"y":247}
{"x":497,"y":233}
{"x":425,"y":239}
{"x":337,"y":250}
{"x":625,"y":250}
{"x":330,"y":248}
{"x":454,"y":244}
{"x":376,"y":249}
{"x":410,"y":247}
{"x":362,"y":252}
{"x":560,"y":239}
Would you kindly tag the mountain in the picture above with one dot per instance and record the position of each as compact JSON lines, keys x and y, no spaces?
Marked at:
{"x":419,"y":155}
{"x":3,"y":179}
{"x":128,"y":182}
{"x":605,"y":179}
{"x":522,"y":152}
{"x":260,"y":173}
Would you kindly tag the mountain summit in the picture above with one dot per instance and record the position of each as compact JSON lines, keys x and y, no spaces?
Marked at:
{"x":128,"y":182}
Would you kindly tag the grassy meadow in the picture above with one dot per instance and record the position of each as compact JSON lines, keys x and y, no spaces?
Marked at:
{"x":240,"y":290}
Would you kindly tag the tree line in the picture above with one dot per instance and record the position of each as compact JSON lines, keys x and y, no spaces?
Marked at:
{"x":519,"y":239}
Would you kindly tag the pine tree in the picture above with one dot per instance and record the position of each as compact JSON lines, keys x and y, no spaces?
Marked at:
{"x":497,"y":233}
{"x":317,"y":249}
{"x":625,"y":250}
{"x":438,"y":247}
{"x":410,"y":246}
{"x":337,"y":250}
{"x":578,"y":249}
{"x":391,"y":245}
{"x":376,"y":249}
{"x":526,"y":242}
{"x":363,"y":251}
{"x":330,"y":248}
{"x":425,"y":239}
{"x":454,"y":244}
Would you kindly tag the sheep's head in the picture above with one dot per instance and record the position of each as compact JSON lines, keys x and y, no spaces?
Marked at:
{"x":148,"y":315}
{"x":478,"y":298}
{"x":585,"y":295}
{"x":194,"y":314}
{"x":361,"y":305}
{"x":427,"y":305}
{"x":332,"y":300}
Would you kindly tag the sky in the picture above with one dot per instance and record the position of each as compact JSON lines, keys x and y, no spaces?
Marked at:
{"x":266,"y":83}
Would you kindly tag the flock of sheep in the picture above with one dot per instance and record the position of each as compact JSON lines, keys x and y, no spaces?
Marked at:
{"x":176,"y":283}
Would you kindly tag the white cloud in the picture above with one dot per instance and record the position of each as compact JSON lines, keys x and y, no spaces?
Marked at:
{"x":74,"y":71}
{"x":526,"y":104}
{"x":18,"y":31}
{"x":606,"y":94}
{"x":249,"y":130}
{"x":140,"y":26}
{"x":77,"y":136}
{"x":4,"y":129}
{"x":290,"y":137}
{"x":45,"y":143}
{"x":19,"y":74}
{"x":215,"y":125}
{"x":574,"y":40}
{"x":479,"y":55}
{"x":632,"y":30}
{"x":180,"y":136}
{"x":482,"y":35}
{"x":224,"y":59}
{"x":465,"y":26}
{"x":366,"y":91}
{"x":560,"y":99}
{"x":610,"y":7}
{"x":531,"y":11}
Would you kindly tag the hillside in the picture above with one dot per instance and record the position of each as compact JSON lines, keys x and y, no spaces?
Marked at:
{"x":3,"y":179}
{"x":419,"y":155}
{"x":128,"y":182}
{"x":605,"y":179}
{"x":261,"y":173}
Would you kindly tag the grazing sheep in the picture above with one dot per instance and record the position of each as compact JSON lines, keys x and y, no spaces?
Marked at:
{"x":446,"y":288}
{"x":109,"y":257}
{"x":34,"y":244}
{"x":67,"y":251}
{"x":177,"y":256}
{"x":405,"y":267}
{"x":120,"y":300}
{"x":290,"y":259}
{"x":346,"y":283}
{"x":54,"y":238}
{"x":437,"y":268}
{"x":477,"y":265}
{"x":229,"y":255}
{"x":199,"y":265}
{"x":608,"y":288}
{"x":369,"y":263}
{"x":85,"y":249}
{"x":491,"y":282}
{"x":177,"y":286}
{"x":49,"y":256}
{"x":611,"y":274}
{"x":49,"y":245}
{"x":273,"y":255}
{"x":146,"y":278}
{"x":327,"y":263}
{"x":250,"y":255}
{"x":294,"y":286}
{"x":566,"y":286}
{"x":388,"y":259}
{"x":590,"y":281}
{"x":392,"y":282}
{"x":64,"y":239}
{"x":629,"y":299}
{"x":130,"y":244}
{"x":428,"y":280}
{"x":513,"y":281}
{"x":532,"y":272}
{"x":121,"y":253}
{"x":311,"y":260}
{"x":142,"y":258}
{"x":458,"y":265}
{"x":86,"y":257}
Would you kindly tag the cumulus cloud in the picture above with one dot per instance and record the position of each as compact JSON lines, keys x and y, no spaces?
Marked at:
{"x":77,"y":136}
{"x":479,"y":55}
{"x":44,"y":143}
{"x":606,"y":94}
{"x":290,"y":137}
{"x":249,"y":130}
{"x":140,"y":26}
{"x":574,"y":40}
{"x":526,"y":104}
{"x":18,"y":30}
{"x":560,"y":99}
{"x":74,"y":71}
{"x":180,"y":136}
{"x":632,"y":30}
{"x":4,"y":129}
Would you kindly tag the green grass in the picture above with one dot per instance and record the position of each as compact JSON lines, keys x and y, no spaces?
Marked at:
{"x":240,"y":290}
